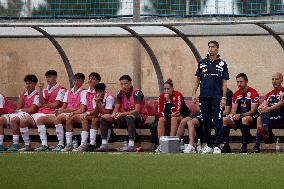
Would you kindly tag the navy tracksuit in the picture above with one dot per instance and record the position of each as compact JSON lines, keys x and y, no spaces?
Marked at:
{"x":211,"y":76}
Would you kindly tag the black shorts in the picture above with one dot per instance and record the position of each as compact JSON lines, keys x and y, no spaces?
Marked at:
{"x":121,"y":123}
{"x":238,"y":123}
{"x":197,"y":116}
{"x":276,"y":122}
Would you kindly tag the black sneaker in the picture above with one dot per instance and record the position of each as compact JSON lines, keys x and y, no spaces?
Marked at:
{"x":90,"y":148}
{"x":244,"y":149}
{"x":226,"y":149}
{"x":270,"y":139}
{"x":256,"y":149}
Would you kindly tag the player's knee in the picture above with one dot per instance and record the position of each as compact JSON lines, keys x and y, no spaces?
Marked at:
{"x":226,"y":121}
{"x":246,"y":120}
{"x":130,"y":117}
{"x":174,"y":119}
{"x":40,"y":121}
{"x":2,"y":121}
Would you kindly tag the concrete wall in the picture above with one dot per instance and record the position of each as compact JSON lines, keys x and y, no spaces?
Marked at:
{"x":258,"y":56}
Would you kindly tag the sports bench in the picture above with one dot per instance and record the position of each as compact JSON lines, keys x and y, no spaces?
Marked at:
{"x":146,"y":132}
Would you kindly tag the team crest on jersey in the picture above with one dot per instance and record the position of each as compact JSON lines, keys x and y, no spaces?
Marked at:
{"x":137,"y":93}
{"x":244,"y":104}
{"x":204,"y":70}
{"x":248,"y":94}
{"x":221,"y":63}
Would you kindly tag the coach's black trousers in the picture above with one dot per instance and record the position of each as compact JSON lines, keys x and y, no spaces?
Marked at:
{"x":210,"y":109}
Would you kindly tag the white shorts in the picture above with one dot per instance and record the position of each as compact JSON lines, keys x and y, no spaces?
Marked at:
{"x":38,"y":115}
{"x":9,"y":117}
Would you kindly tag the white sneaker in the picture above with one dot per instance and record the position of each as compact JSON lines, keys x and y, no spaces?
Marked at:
{"x":81,"y":148}
{"x":189,"y":149}
{"x":68,"y":148}
{"x":207,"y":150}
{"x":217,"y":150}
{"x":158,"y":149}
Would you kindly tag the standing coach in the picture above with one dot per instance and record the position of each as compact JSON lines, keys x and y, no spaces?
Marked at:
{"x":212,"y":75}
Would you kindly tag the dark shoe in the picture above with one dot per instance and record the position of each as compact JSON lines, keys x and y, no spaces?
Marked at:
{"x":270,"y":139}
{"x":102,"y":148}
{"x":244,"y":148}
{"x":226,"y":149}
{"x":113,"y":137}
{"x":90,"y":148}
{"x":127,"y":149}
{"x":42,"y":148}
{"x":256,"y":149}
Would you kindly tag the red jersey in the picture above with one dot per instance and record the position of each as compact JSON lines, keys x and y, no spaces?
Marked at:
{"x":245,"y":100}
{"x":176,"y":100}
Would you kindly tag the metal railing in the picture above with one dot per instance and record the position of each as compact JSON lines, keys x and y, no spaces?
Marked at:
{"x":137,"y":8}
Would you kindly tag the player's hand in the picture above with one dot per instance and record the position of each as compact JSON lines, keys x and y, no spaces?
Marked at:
{"x":59,"y":111}
{"x":98,"y":99}
{"x":119,"y":115}
{"x":281,"y":96}
{"x":24,"y":90}
{"x":230,"y":115}
{"x":237,"y":117}
{"x":83,"y":116}
{"x":113,"y":115}
{"x":40,"y":85}
{"x":167,"y":97}
{"x":264,"y":109}
{"x":175,"y":114}
{"x":71,"y":114}
{"x":194,"y":98}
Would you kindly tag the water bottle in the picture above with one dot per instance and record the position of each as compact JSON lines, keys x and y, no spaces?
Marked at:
{"x":181,"y":145}
{"x":75,"y":143}
{"x":198,"y":146}
{"x":277,"y":146}
{"x":125,"y":143}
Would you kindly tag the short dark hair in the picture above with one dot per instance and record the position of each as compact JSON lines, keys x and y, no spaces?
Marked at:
{"x":95,"y":75}
{"x":170,"y":82}
{"x":243,"y":75}
{"x":50,"y":73}
{"x":125,"y":77}
{"x":79,"y":76}
{"x":215,"y":43}
{"x":100,"y":87}
{"x":30,"y":78}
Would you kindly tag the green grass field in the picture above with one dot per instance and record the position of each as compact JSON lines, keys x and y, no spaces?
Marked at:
{"x":140,"y":170}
